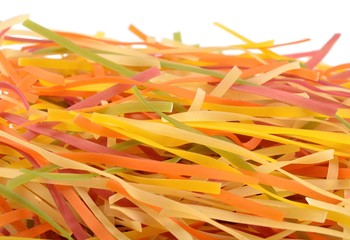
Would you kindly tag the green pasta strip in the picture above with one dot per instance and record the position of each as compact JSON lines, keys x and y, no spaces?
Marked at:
{"x":29,"y":175}
{"x":236,"y":160}
{"x":60,"y":176}
{"x":137,"y":107}
{"x":29,"y":205}
{"x":76,"y":49}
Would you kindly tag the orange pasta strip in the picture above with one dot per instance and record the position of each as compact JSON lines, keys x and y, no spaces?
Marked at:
{"x":63,"y":93}
{"x":40,"y":119}
{"x":27,"y":82}
{"x":118,"y":188}
{"x":86,"y":124}
{"x":304,"y":73}
{"x":250,"y":72}
{"x":7,"y":68}
{"x":187,"y":94}
{"x":46,"y":75}
{"x":330,"y":70}
{"x":201,"y":79}
{"x":227,"y":59}
{"x":79,"y":206}
{"x":137,"y":32}
{"x":98,"y":70}
{"x":82,"y":37}
{"x":290,"y":43}
{"x":249,"y":206}
{"x":40,"y":159}
{"x":34,"y":231}
{"x":15,"y":215}
{"x":39,"y":45}
{"x":196,"y":233}
{"x":144,"y":37}
{"x":315,"y":236}
{"x":99,"y":79}
{"x":159,"y":167}
{"x":250,"y":145}
{"x":289,"y":185}
{"x":318,"y":171}
{"x":5,"y":208}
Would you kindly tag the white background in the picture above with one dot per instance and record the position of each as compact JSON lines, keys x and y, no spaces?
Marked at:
{"x":259,"y":20}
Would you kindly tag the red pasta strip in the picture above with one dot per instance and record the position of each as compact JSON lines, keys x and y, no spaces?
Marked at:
{"x":114,"y":90}
{"x":67,"y":213}
{"x":327,"y":109}
{"x":320,"y":54}
{"x":87,"y":216}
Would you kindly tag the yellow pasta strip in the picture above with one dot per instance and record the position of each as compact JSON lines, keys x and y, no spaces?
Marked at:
{"x":135,"y":214}
{"x":247,"y":219}
{"x":168,"y":135}
{"x":13,"y":21}
{"x":31,"y":195}
{"x":257,"y":133}
{"x":301,"y":214}
{"x":226,"y":83}
{"x":92,"y":87}
{"x":285,"y":111}
{"x":264,"y":77}
{"x":168,"y":223}
{"x":246,"y":40}
{"x":99,"y":214}
{"x":198,"y":100}
{"x":138,"y":61}
{"x":318,"y":157}
{"x":62,"y":64}
{"x":333,"y":168}
{"x":189,"y":185}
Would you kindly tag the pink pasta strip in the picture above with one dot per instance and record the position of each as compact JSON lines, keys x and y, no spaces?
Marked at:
{"x":114,"y":90}
{"x":320,"y":54}
{"x":327,"y":109}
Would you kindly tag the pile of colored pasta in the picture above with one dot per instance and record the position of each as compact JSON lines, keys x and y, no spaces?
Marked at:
{"x":103,"y":139}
